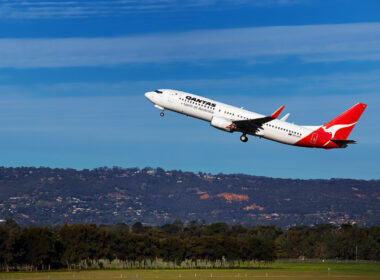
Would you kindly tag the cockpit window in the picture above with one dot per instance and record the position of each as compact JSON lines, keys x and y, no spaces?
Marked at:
{"x":158,"y":91}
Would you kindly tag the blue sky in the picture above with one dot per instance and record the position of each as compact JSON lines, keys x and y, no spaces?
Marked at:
{"x":73,"y":74}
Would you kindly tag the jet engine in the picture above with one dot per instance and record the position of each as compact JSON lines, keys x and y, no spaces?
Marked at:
{"x":223,"y":124}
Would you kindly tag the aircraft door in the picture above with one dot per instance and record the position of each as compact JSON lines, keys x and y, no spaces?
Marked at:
{"x":314,"y":138}
{"x":172,"y":96}
{"x":173,"y":102}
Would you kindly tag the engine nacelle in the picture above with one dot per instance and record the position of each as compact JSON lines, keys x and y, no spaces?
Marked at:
{"x":222,"y":123}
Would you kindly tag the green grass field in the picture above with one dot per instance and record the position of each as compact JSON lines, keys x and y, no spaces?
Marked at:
{"x":276,"y":271}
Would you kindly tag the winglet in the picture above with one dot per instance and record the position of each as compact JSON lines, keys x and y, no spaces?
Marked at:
{"x":277,"y":113}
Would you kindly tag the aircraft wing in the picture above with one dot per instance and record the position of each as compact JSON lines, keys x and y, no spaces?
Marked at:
{"x":254,"y":125}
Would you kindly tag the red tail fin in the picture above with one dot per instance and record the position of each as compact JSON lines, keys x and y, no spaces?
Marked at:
{"x":341,"y":126}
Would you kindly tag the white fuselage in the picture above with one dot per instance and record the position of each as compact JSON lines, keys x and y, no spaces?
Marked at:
{"x":206,"y":109}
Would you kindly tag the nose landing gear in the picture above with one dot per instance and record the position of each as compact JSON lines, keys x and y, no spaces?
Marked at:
{"x":244,"y":138}
{"x":162,"y":114}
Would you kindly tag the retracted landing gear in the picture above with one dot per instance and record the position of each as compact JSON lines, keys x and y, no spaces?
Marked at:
{"x":162,"y":114}
{"x":244,"y":138}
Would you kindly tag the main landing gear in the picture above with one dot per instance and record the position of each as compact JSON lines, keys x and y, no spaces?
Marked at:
{"x":244,"y":138}
{"x":162,"y":113}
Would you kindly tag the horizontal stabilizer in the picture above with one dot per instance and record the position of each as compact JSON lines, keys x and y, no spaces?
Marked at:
{"x":343,"y":143}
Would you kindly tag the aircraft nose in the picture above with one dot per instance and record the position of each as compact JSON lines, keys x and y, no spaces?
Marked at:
{"x":148,"y":95}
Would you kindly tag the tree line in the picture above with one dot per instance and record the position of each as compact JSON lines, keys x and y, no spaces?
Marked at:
{"x":192,"y":245}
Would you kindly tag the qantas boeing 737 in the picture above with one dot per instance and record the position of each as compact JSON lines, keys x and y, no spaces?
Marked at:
{"x":229,"y":118}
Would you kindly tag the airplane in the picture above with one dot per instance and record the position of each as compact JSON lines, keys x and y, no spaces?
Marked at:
{"x":228,"y":118}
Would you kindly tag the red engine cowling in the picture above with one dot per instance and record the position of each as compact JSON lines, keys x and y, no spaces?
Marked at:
{"x":222,"y":123}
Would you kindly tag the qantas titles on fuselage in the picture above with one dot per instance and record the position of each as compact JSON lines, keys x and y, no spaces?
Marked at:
{"x":200,"y":101}
{"x":229,"y":118}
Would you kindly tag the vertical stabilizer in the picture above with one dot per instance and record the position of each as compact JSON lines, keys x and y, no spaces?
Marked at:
{"x":341,"y":126}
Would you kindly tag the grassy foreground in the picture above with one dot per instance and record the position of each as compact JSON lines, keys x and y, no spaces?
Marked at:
{"x":276,"y":271}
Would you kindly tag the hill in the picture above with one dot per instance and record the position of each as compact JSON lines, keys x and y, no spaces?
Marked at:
{"x":155,"y":196}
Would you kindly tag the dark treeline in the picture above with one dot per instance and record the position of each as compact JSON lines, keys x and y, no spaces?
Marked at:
{"x":194,"y":245}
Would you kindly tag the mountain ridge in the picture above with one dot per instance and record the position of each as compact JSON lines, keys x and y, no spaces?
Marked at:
{"x":154,"y":196}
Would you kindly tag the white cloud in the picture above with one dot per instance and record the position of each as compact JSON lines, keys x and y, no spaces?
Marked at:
{"x":336,"y":42}
{"x":71,"y":9}
{"x":254,"y":86}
